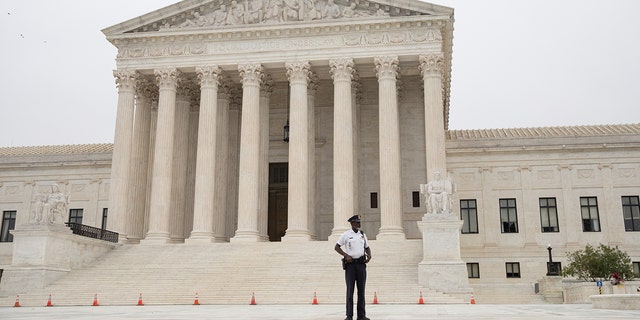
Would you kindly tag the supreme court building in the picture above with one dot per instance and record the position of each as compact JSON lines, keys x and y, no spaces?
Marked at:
{"x":274,"y":121}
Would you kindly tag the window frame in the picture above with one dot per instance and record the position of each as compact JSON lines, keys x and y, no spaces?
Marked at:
{"x":74,"y":217}
{"x":631,"y":209}
{"x":508,"y":226}
{"x":8,"y":224}
{"x":473,"y":270}
{"x":545,"y":211}
{"x":468,"y":212}
{"x":509,"y":266}
{"x":590,"y":207}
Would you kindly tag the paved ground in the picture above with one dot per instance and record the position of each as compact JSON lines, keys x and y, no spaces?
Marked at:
{"x":319,"y":312}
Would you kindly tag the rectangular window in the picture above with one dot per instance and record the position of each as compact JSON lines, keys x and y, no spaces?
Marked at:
{"x":589,"y":211}
{"x":636,"y":269}
{"x":549,"y":215}
{"x":415,"y":195}
{"x":473,"y":270}
{"x":374,"y":200}
{"x":631,"y":213}
{"x":105,"y":211}
{"x":513,"y":269}
{"x":469,"y":215}
{"x":8,"y":223}
{"x":508,"y":216}
{"x":75,"y":216}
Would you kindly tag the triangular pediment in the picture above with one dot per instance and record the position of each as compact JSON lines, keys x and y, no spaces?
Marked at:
{"x":222,"y":14}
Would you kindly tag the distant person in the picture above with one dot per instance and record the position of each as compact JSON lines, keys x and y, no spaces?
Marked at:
{"x":356,"y":255}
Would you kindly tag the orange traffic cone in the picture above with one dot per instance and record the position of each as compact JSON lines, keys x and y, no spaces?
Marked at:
{"x":17,"y":304}
{"x":421,"y":300}
{"x":196,"y":302}
{"x":473,"y":298}
{"x":375,"y":298}
{"x":253,"y":299}
{"x":95,"y":300}
{"x":140,"y":300}
{"x":49,"y":304}
{"x":315,"y":299}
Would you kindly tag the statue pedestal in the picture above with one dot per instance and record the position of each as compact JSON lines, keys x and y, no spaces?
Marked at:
{"x":441,"y":267}
{"x":42,"y":253}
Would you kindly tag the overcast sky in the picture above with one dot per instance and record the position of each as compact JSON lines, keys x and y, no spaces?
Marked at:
{"x":525,"y":63}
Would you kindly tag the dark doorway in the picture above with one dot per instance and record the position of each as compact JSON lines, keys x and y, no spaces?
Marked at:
{"x":278,"y":200}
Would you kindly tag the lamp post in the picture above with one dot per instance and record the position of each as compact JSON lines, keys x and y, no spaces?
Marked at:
{"x":551,"y":267}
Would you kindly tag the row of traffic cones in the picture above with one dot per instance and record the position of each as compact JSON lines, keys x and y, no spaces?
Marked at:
{"x":253,"y":300}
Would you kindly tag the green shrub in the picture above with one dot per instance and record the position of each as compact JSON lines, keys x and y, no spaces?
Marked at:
{"x":596,"y":263}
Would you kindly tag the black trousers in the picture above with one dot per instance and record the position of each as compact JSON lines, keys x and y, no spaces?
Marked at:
{"x":355,"y":275}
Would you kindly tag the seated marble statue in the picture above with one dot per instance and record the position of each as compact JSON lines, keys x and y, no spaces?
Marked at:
{"x":438,"y":194}
{"x":55,"y":205}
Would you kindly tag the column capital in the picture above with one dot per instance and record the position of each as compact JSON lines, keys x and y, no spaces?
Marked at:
{"x":209,"y":76}
{"x":298,"y":71}
{"x":266,"y":88}
{"x":251,"y":73}
{"x":313,"y":84}
{"x":126,"y":78}
{"x":168,"y":77}
{"x":342,"y":69}
{"x":432,"y":64}
{"x":146,"y":89}
{"x":386,"y":67}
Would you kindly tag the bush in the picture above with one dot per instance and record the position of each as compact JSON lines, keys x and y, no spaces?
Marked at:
{"x":602,"y":262}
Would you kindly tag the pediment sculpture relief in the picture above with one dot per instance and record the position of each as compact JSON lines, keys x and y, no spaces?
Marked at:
{"x":241,"y":12}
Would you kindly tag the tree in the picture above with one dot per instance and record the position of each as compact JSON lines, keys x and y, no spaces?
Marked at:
{"x":600,"y":262}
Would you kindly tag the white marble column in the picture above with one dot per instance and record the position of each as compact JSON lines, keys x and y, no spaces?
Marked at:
{"x":222,"y":163}
{"x":121,"y":158}
{"x":298,"y":195}
{"x":161,"y":181}
{"x":194,"y":116}
{"x":432,"y":68}
{"x":203,"y":207}
{"x":249,"y":168}
{"x":235,"y":117}
{"x":343,"y":167}
{"x":390,"y":162}
{"x":266,"y":88}
{"x":180,"y":153}
{"x":311,"y":96}
{"x":146,"y":93}
{"x":356,"y":91}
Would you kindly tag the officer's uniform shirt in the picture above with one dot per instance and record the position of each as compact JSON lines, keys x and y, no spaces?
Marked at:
{"x":353,"y":243}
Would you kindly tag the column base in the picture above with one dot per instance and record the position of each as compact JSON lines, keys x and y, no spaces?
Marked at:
{"x":296,"y":235}
{"x":246,"y":236}
{"x":391,"y":234}
{"x":156,"y":238}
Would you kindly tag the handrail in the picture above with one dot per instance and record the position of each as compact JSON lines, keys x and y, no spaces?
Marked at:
{"x":92,"y":232}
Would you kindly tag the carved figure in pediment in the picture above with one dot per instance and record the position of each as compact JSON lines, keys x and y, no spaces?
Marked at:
{"x":254,"y":12}
{"x":197,"y":21}
{"x":311,"y":11}
{"x":274,"y":11}
{"x":331,"y":10}
{"x":236,"y":14}
{"x":219,"y":17}
{"x":350,"y":11}
{"x":291,"y":9}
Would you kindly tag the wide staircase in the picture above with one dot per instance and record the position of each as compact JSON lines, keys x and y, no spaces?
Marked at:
{"x":230,"y":273}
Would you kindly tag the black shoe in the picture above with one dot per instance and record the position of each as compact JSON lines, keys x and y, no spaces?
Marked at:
{"x":364,"y":318}
{"x":348,"y":318}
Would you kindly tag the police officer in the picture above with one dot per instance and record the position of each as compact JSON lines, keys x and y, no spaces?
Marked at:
{"x":356,"y":254}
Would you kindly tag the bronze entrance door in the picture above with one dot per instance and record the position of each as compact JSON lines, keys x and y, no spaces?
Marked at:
{"x":278,"y":200}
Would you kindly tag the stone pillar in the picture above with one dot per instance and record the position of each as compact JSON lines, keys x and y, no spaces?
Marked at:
{"x":194,"y":116}
{"x":222,"y":164}
{"x":249,"y":168}
{"x":311,"y":94}
{"x":342,"y":71}
{"x":180,"y":152}
{"x":298,"y":209}
{"x":356,"y":91}
{"x":390,"y":163}
{"x":203,"y":207}
{"x":266,"y":89}
{"x":120,"y":164}
{"x":432,"y":68}
{"x":441,"y":267}
{"x":161,"y":181}
{"x":235,"y":115}
{"x":147,"y":92}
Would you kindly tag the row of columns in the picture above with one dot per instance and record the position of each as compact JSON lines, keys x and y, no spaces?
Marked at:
{"x":169,"y":170}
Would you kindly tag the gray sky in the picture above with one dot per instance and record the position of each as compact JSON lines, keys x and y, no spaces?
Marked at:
{"x":525,"y":63}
